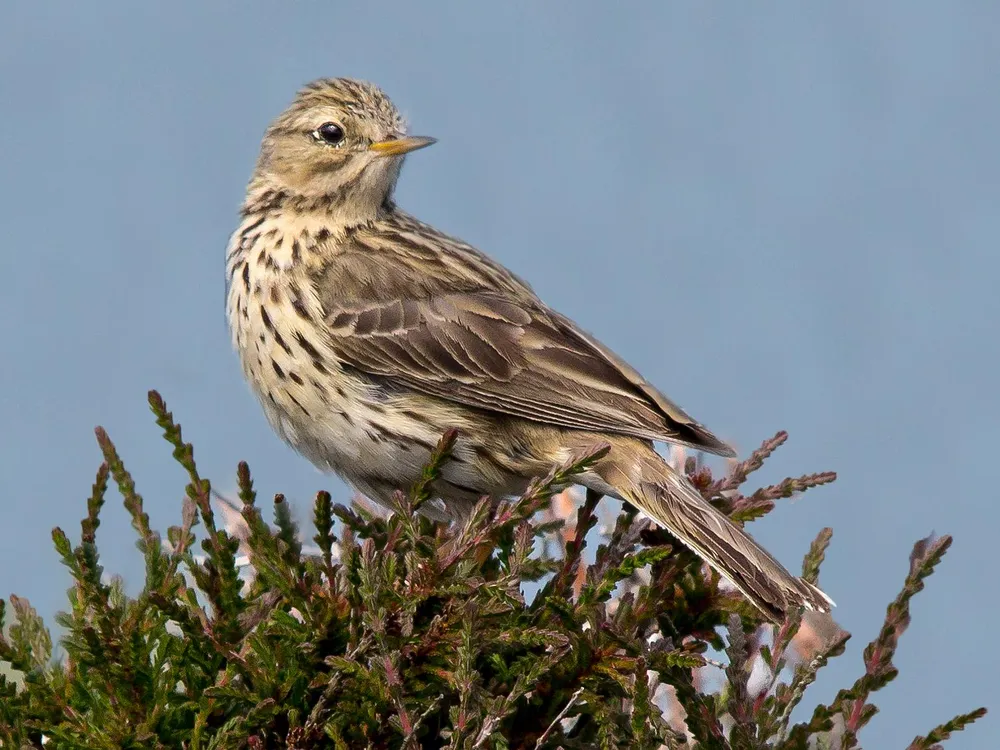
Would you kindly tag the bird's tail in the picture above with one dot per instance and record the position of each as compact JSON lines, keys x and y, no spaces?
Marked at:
{"x":650,"y":484}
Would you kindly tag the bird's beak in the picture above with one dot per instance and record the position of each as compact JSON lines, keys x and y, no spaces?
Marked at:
{"x":398,"y":146}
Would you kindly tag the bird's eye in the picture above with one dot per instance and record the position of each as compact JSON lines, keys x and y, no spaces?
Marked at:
{"x":329,"y":132}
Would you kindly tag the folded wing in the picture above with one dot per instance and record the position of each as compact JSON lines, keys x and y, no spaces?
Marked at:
{"x":487,"y":350}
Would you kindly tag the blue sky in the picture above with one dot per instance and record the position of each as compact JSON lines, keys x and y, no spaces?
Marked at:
{"x":786,"y":219}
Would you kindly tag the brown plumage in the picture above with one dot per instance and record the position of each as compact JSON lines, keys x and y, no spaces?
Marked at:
{"x":366,"y":334}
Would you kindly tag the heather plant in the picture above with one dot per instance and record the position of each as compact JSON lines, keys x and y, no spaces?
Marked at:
{"x":395,"y":632}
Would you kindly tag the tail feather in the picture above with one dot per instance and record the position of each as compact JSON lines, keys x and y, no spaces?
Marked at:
{"x":670,"y":500}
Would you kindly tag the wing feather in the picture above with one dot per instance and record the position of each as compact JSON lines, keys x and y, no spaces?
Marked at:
{"x":509,"y":356}
{"x":410,"y":304}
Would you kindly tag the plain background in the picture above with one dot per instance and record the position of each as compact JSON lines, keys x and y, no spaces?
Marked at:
{"x":785,"y":218}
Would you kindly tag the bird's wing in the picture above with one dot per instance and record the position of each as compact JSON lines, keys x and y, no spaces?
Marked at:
{"x":499,"y":352}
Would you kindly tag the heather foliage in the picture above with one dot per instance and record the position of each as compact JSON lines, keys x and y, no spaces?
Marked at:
{"x":400,"y":633}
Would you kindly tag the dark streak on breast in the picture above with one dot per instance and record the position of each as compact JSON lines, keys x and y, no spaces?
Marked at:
{"x":295,"y":401}
{"x":250,"y":227}
{"x":308,"y":348}
{"x":266,"y":319}
{"x":320,"y":388}
{"x":281,"y":343}
{"x":297,"y":304}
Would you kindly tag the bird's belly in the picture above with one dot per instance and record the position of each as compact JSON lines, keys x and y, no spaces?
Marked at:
{"x":345,"y":437}
{"x":380,"y":446}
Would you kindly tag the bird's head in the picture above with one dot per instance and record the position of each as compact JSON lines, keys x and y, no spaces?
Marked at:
{"x":341,"y":143}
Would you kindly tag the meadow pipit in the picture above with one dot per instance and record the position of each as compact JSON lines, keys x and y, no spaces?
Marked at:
{"x":366,"y":334}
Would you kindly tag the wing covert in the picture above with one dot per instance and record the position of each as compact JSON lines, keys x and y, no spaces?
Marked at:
{"x":486,"y":350}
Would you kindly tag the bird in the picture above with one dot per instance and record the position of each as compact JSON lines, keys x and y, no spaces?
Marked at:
{"x":366,"y":334}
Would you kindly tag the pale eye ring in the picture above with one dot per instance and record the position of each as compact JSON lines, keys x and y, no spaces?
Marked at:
{"x":330,"y":133}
